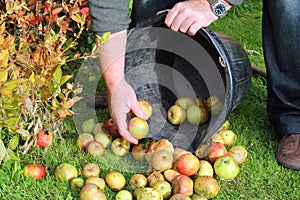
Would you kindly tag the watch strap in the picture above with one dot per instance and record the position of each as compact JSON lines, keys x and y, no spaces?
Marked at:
{"x":211,"y":2}
{"x":235,"y":2}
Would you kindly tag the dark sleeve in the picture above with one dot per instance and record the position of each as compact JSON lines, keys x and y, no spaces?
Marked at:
{"x":109,"y":15}
{"x":235,"y":2}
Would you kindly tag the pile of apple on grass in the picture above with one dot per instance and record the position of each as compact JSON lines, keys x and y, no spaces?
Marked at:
{"x":172,"y":172}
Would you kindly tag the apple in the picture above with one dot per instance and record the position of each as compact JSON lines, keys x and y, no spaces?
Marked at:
{"x":44,"y":139}
{"x":205,"y":169}
{"x":109,"y":123}
{"x":100,"y":182}
{"x":225,"y":126}
{"x":148,"y":154}
{"x":226,"y":168}
{"x":65,"y":172}
{"x":88,"y":126}
{"x":214,"y":105}
{"x":170,"y":174}
{"x":180,"y":197}
{"x":123,"y":195}
{"x":34,"y":171}
{"x":91,"y":169}
{"x":187,"y":164}
{"x":137,"y":181}
{"x":113,"y":131}
{"x":182,"y":184}
{"x":203,"y":149}
{"x":197,"y":197}
{"x":197,"y":115}
{"x":229,"y":137}
{"x":104,"y":138}
{"x":99,"y":128}
{"x":91,"y":192}
{"x":138,"y":128}
{"x":149,"y":193}
{"x":77,"y":183}
{"x":206,"y":186}
{"x":120,"y":146}
{"x":239,"y":154}
{"x":84,"y":139}
{"x":216,"y":150}
{"x":154,"y":177}
{"x":136,"y":191}
{"x":184,"y":102}
{"x":139,"y":151}
{"x":146,"y":107}
{"x":164,"y":188}
{"x":176,"y":115}
{"x":115,"y":180}
{"x":162,"y":144}
{"x":96,"y":149}
{"x":216,"y":137}
{"x":179,"y":152}
{"x":162,"y":160}
{"x":200,"y":102}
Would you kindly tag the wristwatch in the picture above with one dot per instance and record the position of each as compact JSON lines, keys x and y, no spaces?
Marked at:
{"x":218,"y":8}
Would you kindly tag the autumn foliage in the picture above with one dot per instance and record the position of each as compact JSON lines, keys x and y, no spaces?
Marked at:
{"x":36,"y":38}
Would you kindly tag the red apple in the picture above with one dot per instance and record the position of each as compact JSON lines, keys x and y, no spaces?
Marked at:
{"x":179,"y":152}
{"x":96,"y":149}
{"x":91,"y":192}
{"x":187,"y":164}
{"x":229,"y":137}
{"x":183,"y":184}
{"x":176,"y":115}
{"x":91,"y":169}
{"x":44,"y":139}
{"x":84,"y":139}
{"x":239,"y":154}
{"x":137,"y":181}
{"x":100,"y":182}
{"x":206,"y":186}
{"x":65,"y":172}
{"x":109,"y":123}
{"x":216,"y":150}
{"x":120,"y":147}
{"x":114,"y":132}
{"x":138,"y":128}
{"x":115,"y":180}
{"x":34,"y":171}
{"x":226,"y":168}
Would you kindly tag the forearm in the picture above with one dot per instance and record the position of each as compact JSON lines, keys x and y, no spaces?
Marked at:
{"x":112,"y":59}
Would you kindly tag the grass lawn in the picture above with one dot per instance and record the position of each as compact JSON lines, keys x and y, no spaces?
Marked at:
{"x":260,"y":177}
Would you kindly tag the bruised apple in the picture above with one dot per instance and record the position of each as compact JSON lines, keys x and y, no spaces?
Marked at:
{"x":182,"y":184}
{"x":115,"y":180}
{"x":84,"y":139}
{"x":170,"y":174}
{"x":96,"y":149}
{"x":137,"y":181}
{"x":154,"y":177}
{"x":91,"y":192}
{"x":91,"y":169}
{"x":146,"y":107}
{"x":229,"y":137}
{"x":180,"y":197}
{"x":77,"y":183}
{"x":149,"y":193}
{"x":162,"y":160}
{"x":120,"y":147}
{"x":239,"y":154}
{"x":206,"y":186}
{"x":100,"y":182}
{"x":164,"y":188}
{"x":65,"y":172}
{"x":139,"y":151}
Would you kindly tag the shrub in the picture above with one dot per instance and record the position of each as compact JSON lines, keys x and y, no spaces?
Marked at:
{"x":37,"y":38}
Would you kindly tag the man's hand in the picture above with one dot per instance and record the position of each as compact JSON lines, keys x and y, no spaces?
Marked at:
{"x":122,"y":101}
{"x":189,"y":16}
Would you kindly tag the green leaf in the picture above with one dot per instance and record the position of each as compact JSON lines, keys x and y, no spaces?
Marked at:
{"x":64,"y":79}
{"x":2,"y":151}
{"x":57,"y":76}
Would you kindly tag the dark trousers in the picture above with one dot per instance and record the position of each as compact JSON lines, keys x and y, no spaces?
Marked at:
{"x":281,"y":42}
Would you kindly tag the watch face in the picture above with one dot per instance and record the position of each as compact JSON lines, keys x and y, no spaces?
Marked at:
{"x":219,"y":9}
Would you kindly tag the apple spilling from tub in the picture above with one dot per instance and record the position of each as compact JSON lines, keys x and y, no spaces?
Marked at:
{"x":195,"y":111}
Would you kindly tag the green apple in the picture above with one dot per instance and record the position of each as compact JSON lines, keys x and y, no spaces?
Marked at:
{"x":205,"y":169}
{"x":184,"y":102}
{"x":176,"y":115}
{"x":65,"y":172}
{"x":123,"y":195}
{"x":197,"y":115}
{"x":148,"y":193}
{"x":228,"y":136}
{"x":137,"y":181}
{"x":206,"y":186}
{"x":138,"y":128}
{"x":104,"y":138}
{"x":88,"y":126}
{"x":226,"y":168}
{"x":146,"y":107}
{"x":120,"y":147}
{"x":214,"y":105}
{"x":164,"y":188}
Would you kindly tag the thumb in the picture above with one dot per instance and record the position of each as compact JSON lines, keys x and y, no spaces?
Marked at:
{"x":137,"y":110}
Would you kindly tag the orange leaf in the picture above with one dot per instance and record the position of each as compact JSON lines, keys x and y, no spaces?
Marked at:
{"x":56,"y":11}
